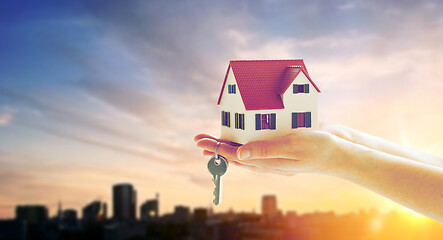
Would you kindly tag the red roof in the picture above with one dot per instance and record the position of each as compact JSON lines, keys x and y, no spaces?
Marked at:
{"x":261,"y":82}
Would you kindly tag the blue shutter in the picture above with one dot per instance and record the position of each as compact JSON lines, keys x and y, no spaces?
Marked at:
{"x":234,"y":88}
{"x":308,"y":119}
{"x":272,"y":123}
{"x":223,"y":118}
{"x":242,"y":117}
{"x":294,"y":88}
{"x":307,"y":88}
{"x":301,"y":88}
{"x":228,"y":115}
{"x":236,"y":120}
{"x":294,"y":120}
{"x":257,"y":121}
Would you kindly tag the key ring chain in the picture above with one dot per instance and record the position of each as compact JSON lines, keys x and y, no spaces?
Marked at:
{"x":216,"y":149}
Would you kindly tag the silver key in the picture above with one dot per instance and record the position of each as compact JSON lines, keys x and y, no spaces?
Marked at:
{"x":217,"y":166}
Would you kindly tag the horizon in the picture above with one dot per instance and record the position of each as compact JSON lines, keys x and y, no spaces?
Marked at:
{"x":109,"y":206}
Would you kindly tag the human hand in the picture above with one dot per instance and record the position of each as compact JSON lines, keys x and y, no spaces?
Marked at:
{"x":304,"y":150}
{"x":404,"y":175}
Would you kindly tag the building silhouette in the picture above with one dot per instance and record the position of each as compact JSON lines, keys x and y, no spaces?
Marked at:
{"x":31,"y":213}
{"x":95,"y":211}
{"x":69,"y":217}
{"x":269,"y":206}
{"x":124,"y":202}
{"x":149,"y":210}
{"x":200,"y":216}
{"x":59,"y":211}
{"x":182,"y":215}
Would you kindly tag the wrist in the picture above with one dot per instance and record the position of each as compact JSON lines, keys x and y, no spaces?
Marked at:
{"x":342,"y":158}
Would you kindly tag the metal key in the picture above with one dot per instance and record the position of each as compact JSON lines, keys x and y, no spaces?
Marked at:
{"x":217,"y":166}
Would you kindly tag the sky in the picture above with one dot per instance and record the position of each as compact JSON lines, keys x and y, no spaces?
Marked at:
{"x":94,"y":93}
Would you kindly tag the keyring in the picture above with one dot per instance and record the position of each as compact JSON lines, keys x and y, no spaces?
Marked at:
{"x":216,"y":149}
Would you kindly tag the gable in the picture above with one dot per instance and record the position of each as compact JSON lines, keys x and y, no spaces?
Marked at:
{"x":262,"y":82}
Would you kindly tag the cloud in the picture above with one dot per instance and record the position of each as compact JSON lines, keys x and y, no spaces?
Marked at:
{"x":347,"y":6}
{"x":6,"y":116}
{"x":64,"y":110}
{"x":139,"y":103}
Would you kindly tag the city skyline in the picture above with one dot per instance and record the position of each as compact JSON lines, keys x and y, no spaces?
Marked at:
{"x":97,"y":93}
{"x":268,"y":205}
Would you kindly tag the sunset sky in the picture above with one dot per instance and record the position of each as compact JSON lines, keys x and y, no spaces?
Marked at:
{"x":94,"y":93}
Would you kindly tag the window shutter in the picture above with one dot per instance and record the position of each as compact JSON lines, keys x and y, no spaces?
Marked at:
{"x":272,"y":123}
{"x":223,"y":118}
{"x":294,"y":120}
{"x":307,"y":88}
{"x":308,"y":119}
{"x":236,"y":120}
{"x":240,"y":123}
{"x":229,"y":119}
{"x":294,"y":88}
{"x":257,"y":121}
{"x":234,"y":88}
{"x":242,"y":117}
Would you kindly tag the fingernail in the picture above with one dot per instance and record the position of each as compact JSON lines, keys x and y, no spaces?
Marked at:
{"x":244,"y":154}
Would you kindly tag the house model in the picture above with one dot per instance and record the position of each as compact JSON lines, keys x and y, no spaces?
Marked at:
{"x":264,"y":99}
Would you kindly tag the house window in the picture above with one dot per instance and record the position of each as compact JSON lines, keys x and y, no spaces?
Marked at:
{"x":226,"y":119}
{"x":232,"y":88}
{"x":265,"y":121}
{"x":301,"y":119}
{"x":300,"y":88}
{"x":240,"y":121}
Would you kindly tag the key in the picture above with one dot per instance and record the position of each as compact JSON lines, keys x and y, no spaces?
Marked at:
{"x":217,"y":166}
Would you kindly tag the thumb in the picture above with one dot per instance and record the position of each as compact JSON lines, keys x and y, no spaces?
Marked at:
{"x":276,"y":148}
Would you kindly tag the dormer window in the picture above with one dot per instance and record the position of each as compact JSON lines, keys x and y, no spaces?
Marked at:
{"x":232,"y":89}
{"x":300,"y":88}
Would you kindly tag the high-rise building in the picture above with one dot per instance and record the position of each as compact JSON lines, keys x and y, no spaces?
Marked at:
{"x":69,"y":216}
{"x":59,"y":211}
{"x":182,"y":214}
{"x":149,"y":210}
{"x":94,"y":212}
{"x":31,"y":213}
{"x":124,"y":202}
{"x":200,"y":215}
{"x":269,"y":206}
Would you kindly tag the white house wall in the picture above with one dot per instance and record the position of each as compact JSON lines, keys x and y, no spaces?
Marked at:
{"x":233,"y":103}
{"x":301,"y":102}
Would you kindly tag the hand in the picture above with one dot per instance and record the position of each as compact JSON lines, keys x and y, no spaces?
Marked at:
{"x":303,"y":150}
{"x":410,"y":177}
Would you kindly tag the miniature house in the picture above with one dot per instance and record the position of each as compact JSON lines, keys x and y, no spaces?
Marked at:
{"x":264,"y":99}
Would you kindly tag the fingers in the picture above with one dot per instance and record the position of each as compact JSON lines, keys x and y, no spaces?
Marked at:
{"x":224,"y":149}
{"x":208,"y":153}
{"x":263,"y":170}
{"x":206,"y":136}
{"x":337,"y":130}
{"x":229,"y":151}
{"x":275,"y":148}
{"x":201,"y":136}
{"x":275,"y":164}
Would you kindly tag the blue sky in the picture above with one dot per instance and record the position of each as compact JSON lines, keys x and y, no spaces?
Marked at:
{"x":94,"y":93}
